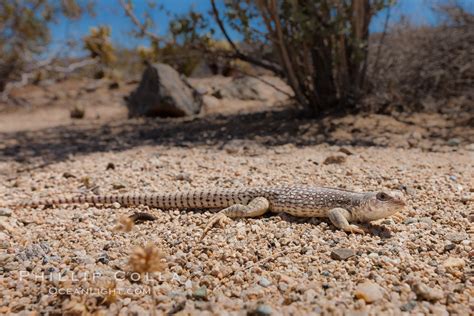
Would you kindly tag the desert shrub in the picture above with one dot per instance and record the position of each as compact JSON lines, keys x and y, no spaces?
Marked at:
{"x":99,"y":45}
{"x":319,"y":46}
{"x":419,"y":67}
{"x":24,"y":31}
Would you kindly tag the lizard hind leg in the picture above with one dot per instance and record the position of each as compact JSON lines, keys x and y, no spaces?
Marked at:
{"x":256,"y":207}
{"x":340,"y":217}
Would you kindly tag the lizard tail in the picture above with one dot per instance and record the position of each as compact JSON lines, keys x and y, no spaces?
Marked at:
{"x":93,"y":199}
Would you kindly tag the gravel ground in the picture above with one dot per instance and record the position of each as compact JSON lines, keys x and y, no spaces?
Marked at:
{"x":275,"y":264}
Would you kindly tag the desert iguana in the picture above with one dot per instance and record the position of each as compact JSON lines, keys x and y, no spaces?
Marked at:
{"x":342,"y":207}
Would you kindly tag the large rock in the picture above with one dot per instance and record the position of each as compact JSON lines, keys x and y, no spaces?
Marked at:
{"x":270,"y":89}
{"x":162,"y":92}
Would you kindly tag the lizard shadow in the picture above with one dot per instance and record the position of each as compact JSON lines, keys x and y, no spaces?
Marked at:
{"x":373,"y":229}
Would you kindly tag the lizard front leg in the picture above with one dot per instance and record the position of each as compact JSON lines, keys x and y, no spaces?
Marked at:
{"x":340,"y":217}
{"x":256,"y":207}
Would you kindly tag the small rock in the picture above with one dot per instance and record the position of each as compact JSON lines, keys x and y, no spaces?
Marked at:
{"x":454,"y":142}
{"x":408,"y":306}
{"x":4,"y":211}
{"x":426,"y":220}
{"x":116,"y":205}
{"x":427,"y":293}
{"x":103,"y":258}
{"x":114,"y":85}
{"x":184,"y":177}
{"x":410,"y":220}
{"x":453,"y":178}
{"x":5,"y":259}
{"x":369,"y":292}
{"x":4,"y":236}
{"x":118,"y":186}
{"x":342,"y":253}
{"x":449,"y":247}
{"x":264,"y":282}
{"x":68,"y":175}
{"x":452,"y":262}
{"x":110,"y":166}
{"x":77,"y":112}
{"x":200,"y":293}
{"x":408,"y":189}
{"x":188,"y":284}
{"x":456,"y":237}
{"x":470,"y":147}
{"x":261,"y":310}
{"x":345,"y":151}
{"x":334,"y":160}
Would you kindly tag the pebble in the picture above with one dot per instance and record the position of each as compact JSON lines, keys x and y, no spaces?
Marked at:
{"x":261,"y":310}
{"x":4,"y":258}
{"x":200,"y":293}
{"x":184,"y":177}
{"x":68,"y":175}
{"x":426,"y":220}
{"x":408,"y":189}
{"x":334,"y":160}
{"x":453,"y":262}
{"x":5,"y":211}
{"x":264,"y":282}
{"x":342,"y":253}
{"x":449,"y":247}
{"x":454,"y":142}
{"x":410,"y":220}
{"x":103,"y":258}
{"x":369,"y":291}
{"x":116,"y":205}
{"x":456,"y":237}
{"x":427,"y":293}
{"x":470,"y":147}
{"x":118,"y":186}
{"x":346,"y":151}
{"x":408,"y":307}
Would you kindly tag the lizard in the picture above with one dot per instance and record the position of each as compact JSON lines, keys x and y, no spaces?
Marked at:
{"x":344,"y":208}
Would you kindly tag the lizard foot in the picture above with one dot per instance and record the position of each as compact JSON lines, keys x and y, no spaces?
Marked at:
{"x":219,"y":218}
{"x":399,"y":217}
{"x":354,"y":229}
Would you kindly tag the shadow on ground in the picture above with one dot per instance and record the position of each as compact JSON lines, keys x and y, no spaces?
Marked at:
{"x":266,"y":128}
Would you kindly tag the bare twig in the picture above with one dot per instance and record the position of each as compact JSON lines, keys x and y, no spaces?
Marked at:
{"x":72,"y":67}
{"x":136,"y":21}
{"x":43,"y":64}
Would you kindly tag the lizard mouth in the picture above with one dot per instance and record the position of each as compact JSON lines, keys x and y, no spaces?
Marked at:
{"x":400,"y":202}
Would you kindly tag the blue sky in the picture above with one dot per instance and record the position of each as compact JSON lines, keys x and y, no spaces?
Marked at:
{"x":109,"y":12}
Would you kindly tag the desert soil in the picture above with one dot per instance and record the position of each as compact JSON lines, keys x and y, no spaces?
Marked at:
{"x":275,"y":264}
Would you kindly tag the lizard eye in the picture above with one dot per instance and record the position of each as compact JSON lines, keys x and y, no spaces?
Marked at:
{"x":381,"y":196}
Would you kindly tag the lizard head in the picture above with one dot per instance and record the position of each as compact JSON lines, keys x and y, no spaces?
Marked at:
{"x":377,"y":205}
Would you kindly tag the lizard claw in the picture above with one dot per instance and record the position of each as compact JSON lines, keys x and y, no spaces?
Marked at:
{"x":219,"y":218}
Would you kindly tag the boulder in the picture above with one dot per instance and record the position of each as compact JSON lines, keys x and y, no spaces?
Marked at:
{"x":163,"y":92}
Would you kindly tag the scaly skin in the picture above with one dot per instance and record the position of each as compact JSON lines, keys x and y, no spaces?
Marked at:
{"x":342,"y":207}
